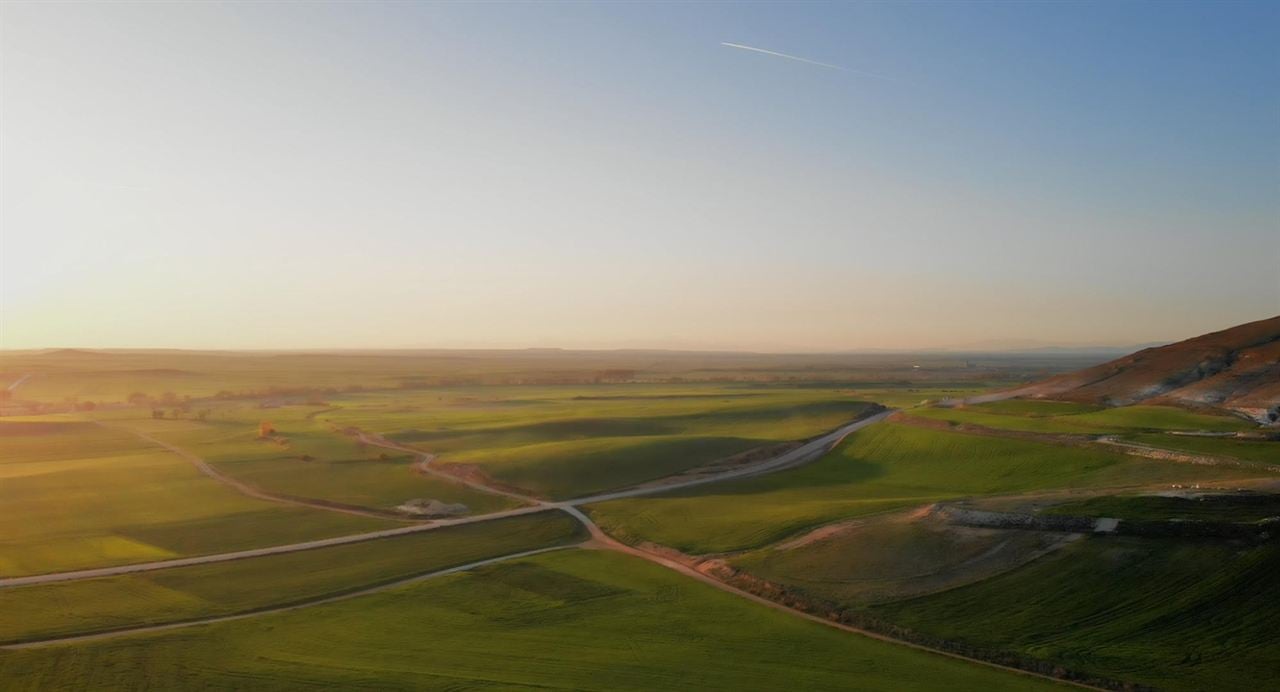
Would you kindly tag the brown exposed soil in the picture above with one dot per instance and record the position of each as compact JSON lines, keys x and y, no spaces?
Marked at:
{"x":1236,"y":369}
{"x":476,"y":475}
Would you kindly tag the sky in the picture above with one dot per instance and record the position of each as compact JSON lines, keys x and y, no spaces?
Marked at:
{"x":358,"y":175}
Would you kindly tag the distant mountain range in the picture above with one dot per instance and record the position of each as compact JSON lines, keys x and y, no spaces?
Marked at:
{"x":1236,"y":368}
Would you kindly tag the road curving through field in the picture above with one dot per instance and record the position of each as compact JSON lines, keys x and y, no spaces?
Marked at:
{"x":807,"y":452}
{"x":598,"y":540}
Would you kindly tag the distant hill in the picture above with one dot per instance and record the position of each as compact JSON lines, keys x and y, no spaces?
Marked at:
{"x":1236,"y":368}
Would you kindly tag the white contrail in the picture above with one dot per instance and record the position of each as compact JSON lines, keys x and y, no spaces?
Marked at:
{"x":800,"y":59}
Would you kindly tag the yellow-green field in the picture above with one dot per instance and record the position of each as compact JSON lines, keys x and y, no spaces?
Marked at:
{"x":855,"y":531}
{"x":200,"y":591}
{"x":883,"y":467}
{"x":576,"y":620}
{"x":78,"y":495}
{"x":1174,"y":614}
{"x":306,"y":458}
{"x":892,"y":557}
{"x":570,"y":443}
{"x":1058,"y":417}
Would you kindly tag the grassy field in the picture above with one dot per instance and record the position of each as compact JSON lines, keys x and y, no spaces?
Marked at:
{"x":891,"y":557}
{"x":79,"y":495}
{"x":881,"y":467}
{"x":306,"y":458}
{"x":1059,"y":417}
{"x":570,"y":469}
{"x":106,"y":377}
{"x":576,"y":620}
{"x":145,"y":598}
{"x":1265,"y":451}
{"x":1179,"y":615}
{"x":571,"y":441}
{"x":558,"y":442}
{"x":1034,"y":408}
{"x":1153,"y":507}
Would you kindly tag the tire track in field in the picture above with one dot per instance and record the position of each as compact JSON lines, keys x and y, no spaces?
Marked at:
{"x":249,"y":490}
{"x":13,"y":386}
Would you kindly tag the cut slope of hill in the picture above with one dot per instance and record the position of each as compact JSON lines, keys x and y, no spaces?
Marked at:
{"x":1236,"y":368}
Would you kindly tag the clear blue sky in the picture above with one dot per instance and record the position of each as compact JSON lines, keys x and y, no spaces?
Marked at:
{"x":359,"y":174}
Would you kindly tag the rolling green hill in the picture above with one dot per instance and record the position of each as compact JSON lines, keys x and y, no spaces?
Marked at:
{"x":577,"y":620}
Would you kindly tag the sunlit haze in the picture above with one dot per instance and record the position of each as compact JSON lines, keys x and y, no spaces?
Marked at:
{"x":281,"y":175}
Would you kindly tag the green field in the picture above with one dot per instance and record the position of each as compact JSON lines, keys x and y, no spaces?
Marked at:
{"x":78,"y":495}
{"x":882,"y":467}
{"x":568,"y":442}
{"x":1235,"y":508}
{"x":1059,"y":417}
{"x":563,"y":470}
{"x":183,"y":593}
{"x":1034,"y":408}
{"x":577,"y":620}
{"x":1265,"y":451}
{"x":105,"y":377}
{"x":1176,"y":614}
{"x":308,"y":459}
{"x":842,"y":531}
{"x":892,"y":557}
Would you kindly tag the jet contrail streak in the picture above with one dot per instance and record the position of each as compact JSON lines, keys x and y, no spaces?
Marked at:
{"x":800,"y":59}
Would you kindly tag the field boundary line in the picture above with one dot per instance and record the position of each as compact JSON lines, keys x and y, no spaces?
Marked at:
{"x":252,"y":491}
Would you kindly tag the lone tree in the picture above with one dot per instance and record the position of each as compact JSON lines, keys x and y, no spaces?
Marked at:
{"x":265,"y":429}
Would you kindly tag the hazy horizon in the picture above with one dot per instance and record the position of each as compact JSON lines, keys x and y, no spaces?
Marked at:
{"x":1011,"y":346}
{"x":766,"y":177}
